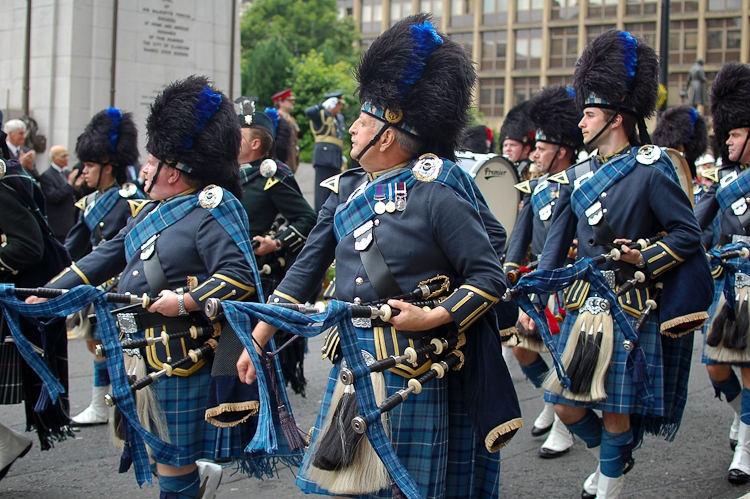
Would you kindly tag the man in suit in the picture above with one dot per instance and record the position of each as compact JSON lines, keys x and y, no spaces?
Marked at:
{"x":60,"y":187}
{"x":16,"y":135}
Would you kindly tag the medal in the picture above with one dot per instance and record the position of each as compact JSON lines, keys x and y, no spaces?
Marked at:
{"x":390,"y":206}
{"x":379,"y":197}
{"x":401,"y":196}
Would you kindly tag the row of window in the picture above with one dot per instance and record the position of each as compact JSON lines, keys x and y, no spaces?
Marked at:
{"x":495,"y":12}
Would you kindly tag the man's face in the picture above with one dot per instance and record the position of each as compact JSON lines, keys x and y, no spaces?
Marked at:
{"x":362,"y":132}
{"x":592,"y":123}
{"x":61,"y":158}
{"x":159,"y":190}
{"x":286,"y":105}
{"x":91,"y":173}
{"x":245,"y":148}
{"x":544,"y":155}
{"x":514,"y":150}
{"x":17,"y":138}
{"x":736,"y":142}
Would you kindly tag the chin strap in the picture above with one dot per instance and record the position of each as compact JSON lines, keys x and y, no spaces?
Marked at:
{"x":374,"y":140}
{"x":153,"y":179}
{"x":606,"y":125}
{"x":744,"y":146}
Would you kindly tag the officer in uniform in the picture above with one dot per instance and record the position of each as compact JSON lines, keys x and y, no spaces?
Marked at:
{"x":269,"y":190}
{"x":106,"y":147}
{"x":284,"y":102}
{"x":390,"y":225}
{"x":517,"y":139}
{"x":623,"y":193}
{"x":327,"y":126}
{"x":726,"y":198}
{"x":558,"y":139}
{"x":189,"y":244}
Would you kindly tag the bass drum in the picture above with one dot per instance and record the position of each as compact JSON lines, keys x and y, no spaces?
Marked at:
{"x":496,"y":177}
{"x":683,"y":172}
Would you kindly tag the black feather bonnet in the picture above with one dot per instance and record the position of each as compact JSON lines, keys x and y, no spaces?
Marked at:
{"x":110,"y":138}
{"x":555,"y":116}
{"x":682,"y":128}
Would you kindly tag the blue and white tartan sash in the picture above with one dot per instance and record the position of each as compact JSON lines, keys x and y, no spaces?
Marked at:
{"x":101,"y":207}
{"x":337,"y":313}
{"x":361,"y":208}
{"x":68,"y":303}
{"x":608,"y":174}
{"x":731,"y":192}
{"x":543,"y":197}
{"x":731,"y":267}
{"x":551,"y":281}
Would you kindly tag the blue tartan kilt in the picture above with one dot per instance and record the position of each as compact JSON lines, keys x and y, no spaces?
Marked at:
{"x":718,"y":291}
{"x":622,"y":396}
{"x":432,"y":436}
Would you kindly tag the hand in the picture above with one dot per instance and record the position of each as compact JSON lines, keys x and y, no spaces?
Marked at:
{"x":31,"y":300}
{"x":413,"y":318}
{"x":246,"y":369}
{"x":267,"y":245}
{"x":27,"y":159}
{"x":73,"y":176}
{"x":631,"y":256}
{"x":166,"y":304}
{"x":80,"y":180}
{"x":526,"y":322}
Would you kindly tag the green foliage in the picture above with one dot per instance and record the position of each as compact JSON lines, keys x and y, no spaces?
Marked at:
{"x":265,"y":70}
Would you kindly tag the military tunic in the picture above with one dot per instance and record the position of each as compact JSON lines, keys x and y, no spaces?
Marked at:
{"x":328,"y":131}
{"x":81,"y":239}
{"x":195,"y":248}
{"x":640,"y":205}
{"x":427,"y":238}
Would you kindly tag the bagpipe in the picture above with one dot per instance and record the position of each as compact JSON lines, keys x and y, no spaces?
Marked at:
{"x":727,"y":339}
{"x":273,"y":261}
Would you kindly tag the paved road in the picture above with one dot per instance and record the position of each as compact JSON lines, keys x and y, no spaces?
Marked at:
{"x":694,"y":466}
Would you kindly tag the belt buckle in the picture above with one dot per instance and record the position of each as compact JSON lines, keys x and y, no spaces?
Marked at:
{"x":609,"y":275}
{"x":127,"y":323}
{"x":595,"y":305}
{"x":594,"y":213}
{"x":741,"y":281}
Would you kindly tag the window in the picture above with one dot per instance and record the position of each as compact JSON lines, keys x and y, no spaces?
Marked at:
{"x":372,"y":16}
{"x":646,"y":31}
{"x":466,"y":40}
{"x":564,"y":9}
{"x":560,"y":80}
{"x":462,"y":13}
{"x":683,"y":42}
{"x":435,"y":7}
{"x":563,"y":51}
{"x":602,"y":8}
{"x":640,"y":7}
{"x":524,"y":89}
{"x":494,"y":12}
{"x":683,"y":6}
{"x":676,"y":86}
{"x":529,"y":11}
{"x":399,"y":10}
{"x":721,"y":5}
{"x":492,"y":96}
{"x":723,"y":40}
{"x":528,"y":48}
{"x":494,"y":50}
{"x":346,"y":8}
{"x":594,"y":31}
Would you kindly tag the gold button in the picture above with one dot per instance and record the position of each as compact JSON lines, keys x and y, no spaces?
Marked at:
{"x":359,"y":281}
{"x":135,"y":273}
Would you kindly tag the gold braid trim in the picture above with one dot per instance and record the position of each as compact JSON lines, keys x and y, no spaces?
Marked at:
{"x":251,"y":406}
{"x":697,"y":316}
{"x":489,"y":440}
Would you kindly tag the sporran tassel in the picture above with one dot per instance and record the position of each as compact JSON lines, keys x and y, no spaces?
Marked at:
{"x":339,"y":443}
{"x":716,"y":333}
{"x":727,"y":340}
{"x":737,"y":340}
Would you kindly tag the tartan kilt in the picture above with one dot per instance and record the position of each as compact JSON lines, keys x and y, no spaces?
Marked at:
{"x":706,"y":329}
{"x":11,"y":373}
{"x":622,"y":396}
{"x":431,"y":434}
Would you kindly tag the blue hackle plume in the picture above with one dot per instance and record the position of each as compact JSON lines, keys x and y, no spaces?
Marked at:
{"x":571,"y":92}
{"x":273,"y":113}
{"x":693,"y":116}
{"x":116,"y":116}
{"x":629,"y":45}
{"x":425,"y":40}
{"x":208,"y":104}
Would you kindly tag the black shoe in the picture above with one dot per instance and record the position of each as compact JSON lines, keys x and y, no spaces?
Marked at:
{"x":586,"y":495}
{"x":538,"y":432}
{"x":551,"y":454}
{"x":737,"y":477}
{"x":732,"y":443}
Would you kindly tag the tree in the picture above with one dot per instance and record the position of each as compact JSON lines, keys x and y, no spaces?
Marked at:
{"x":266,"y":70}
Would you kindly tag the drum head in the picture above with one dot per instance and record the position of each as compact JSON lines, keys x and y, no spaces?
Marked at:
{"x":495,"y":176}
{"x":683,"y":172}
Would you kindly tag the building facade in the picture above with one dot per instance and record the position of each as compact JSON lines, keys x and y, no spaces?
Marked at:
{"x":520,"y":46}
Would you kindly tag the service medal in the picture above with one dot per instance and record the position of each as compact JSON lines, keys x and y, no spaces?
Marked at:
{"x":268,"y":168}
{"x":648,"y":155}
{"x":390,"y":206}
{"x":210,"y":196}
{"x":428,"y":167}
{"x":379,"y":198}
{"x":401,"y":196}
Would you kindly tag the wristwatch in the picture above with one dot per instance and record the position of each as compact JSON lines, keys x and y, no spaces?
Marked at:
{"x":181,"y":303}
{"x":641,"y":263}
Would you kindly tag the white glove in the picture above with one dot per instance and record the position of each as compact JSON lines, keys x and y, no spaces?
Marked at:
{"x":330,"y":103}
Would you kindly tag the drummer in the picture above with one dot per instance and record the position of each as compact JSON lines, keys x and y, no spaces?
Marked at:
{"x":558,"y":139}
{"x":517,"y":139}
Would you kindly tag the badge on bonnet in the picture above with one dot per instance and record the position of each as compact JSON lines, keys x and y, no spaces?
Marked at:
{"x":428,"y":167}
{"x":210,"y":197}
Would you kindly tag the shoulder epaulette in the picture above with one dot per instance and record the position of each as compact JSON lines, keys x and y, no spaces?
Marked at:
{"x":136,"y":205}
{"x":559,"y":177}
{"x":128,"y":190}
{"x":524,"y":186}
{"x":711,"y":174}
{"x":81,"y":203}
{"x":271,"y":182}
{"x":332,"y":183}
